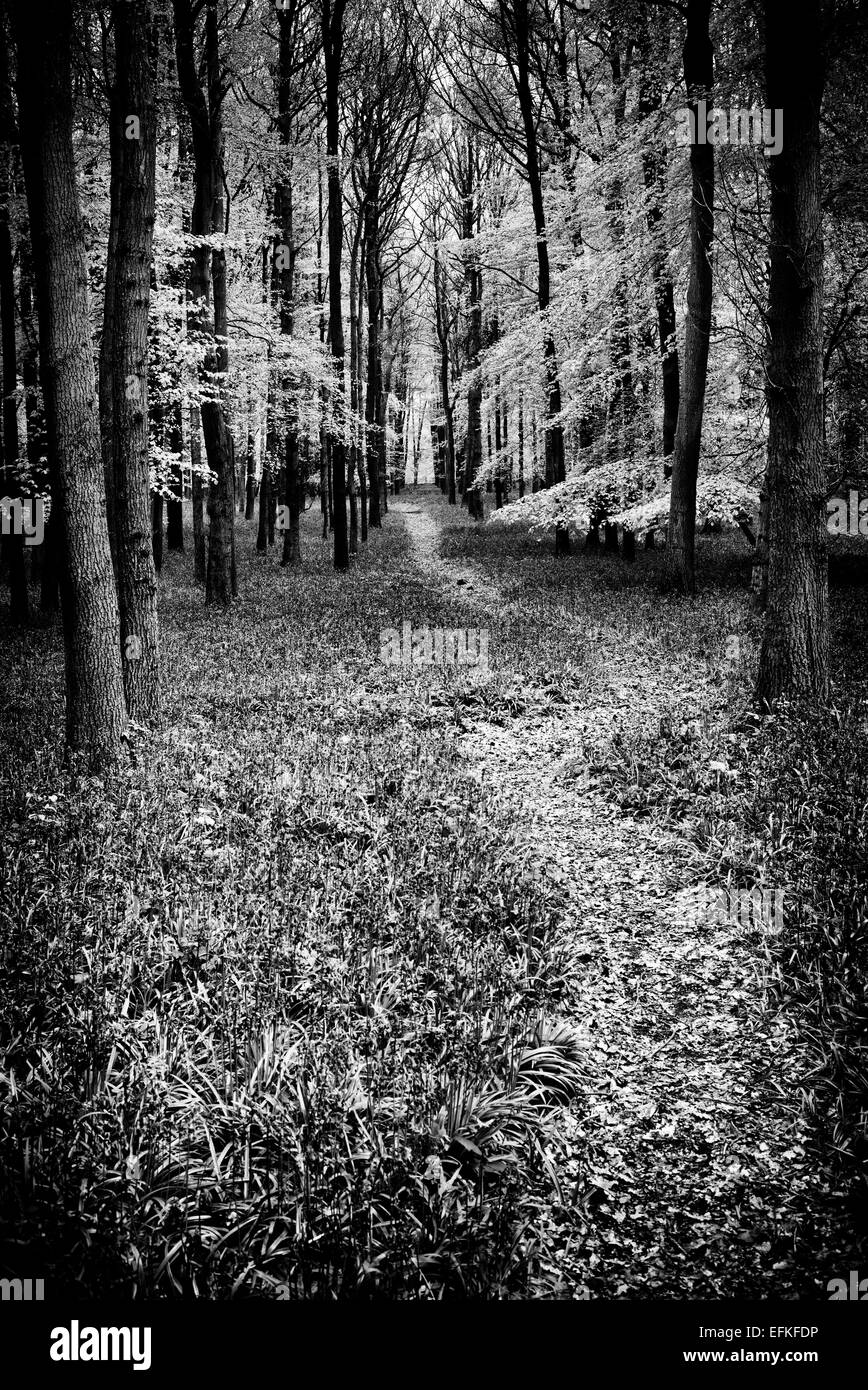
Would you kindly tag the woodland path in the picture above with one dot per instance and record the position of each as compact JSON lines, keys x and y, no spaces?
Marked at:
{"x":692,"y":1126}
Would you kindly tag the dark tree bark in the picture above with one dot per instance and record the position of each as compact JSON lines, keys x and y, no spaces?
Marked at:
{"x":13,"y":545}
{"x":794,"y":655}
{"x":333,"y":42}
{"x":41,"y":464}
{"x":264,"y":506}
{"x":374,"y":386}
{"x":157,"y":524}
{"x":130,"y":244}
{"x":442,"y":326}
{"x":555,"y":469}
{"x":355,"y":383}
{"x":197,"y":496}
{"x":699,"y":80}
{"x":175,"y":503}
{"x":106,"y":349}
{"x":294,"y":499}
{"x":95,"y":707}
{"x":471,"y":495}
{"x":520,"y":443}
{"x":197,"y":488}
{"x":209,"y":273}
{"x":250,"y":481}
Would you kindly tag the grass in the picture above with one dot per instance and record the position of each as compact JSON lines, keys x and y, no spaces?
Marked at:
{"x":285,"y":1003}
{"x":290,"y":1003}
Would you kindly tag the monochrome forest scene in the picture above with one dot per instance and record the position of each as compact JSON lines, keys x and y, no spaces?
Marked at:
{"x":434,"y":670}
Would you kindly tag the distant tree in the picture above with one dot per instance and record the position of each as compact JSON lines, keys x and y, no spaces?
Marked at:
{"x":203,"y":98}
{"x":333,"y":43}
{"x":699,"y":81}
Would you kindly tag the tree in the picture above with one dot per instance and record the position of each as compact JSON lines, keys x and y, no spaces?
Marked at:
{"x":333,"y":43}
{"x":133,"y":115}
{"x":95,"y":707}
{"x":288,"y":19}
{"x":208,"y":276}
{"x":20,"y":604}
{"x":794,"y":656}
{"x":699,"y":81}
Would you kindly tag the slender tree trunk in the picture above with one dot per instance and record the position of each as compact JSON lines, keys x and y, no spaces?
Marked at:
{"x":699,"y":79}
{"x":250,"y":481}
{"x":472,"y":497}
{"x":286,"y":282}
{"x":759,"y":582}
{"x":157,"y":521}
{"x":361,"y":453}
{"x":264,"y":506}
{"x":554,"y":436}
{"x":442,"y":318}
{"x":209,"y":272}
{"x":374,"y":389}
{"x":520,"y":443}
{"x":333,"y":39}
{"x":794,"y":656}
{"x":42,"y":466}
{"x":95,"y":707}
{"x":197,"y":496}
{"x":354,"y":383}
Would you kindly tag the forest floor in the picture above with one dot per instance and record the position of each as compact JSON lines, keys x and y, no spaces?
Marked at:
{"x":698,"y":1181}
{"x":424,"y":933}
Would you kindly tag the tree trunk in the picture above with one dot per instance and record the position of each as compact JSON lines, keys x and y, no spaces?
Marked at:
{"x":520,"y":443}
{"x":472,"y":497}
{"x":209,"y":272}
{"x":333,"y":40}
{"x":250,"y":481}
{"x":374,"y":391}
{"x":355,"y":392}
{"x":264,"y":505}
{"x":197,"y":495}
{"x":293,"y":500}
{"x":759,"y":578}
{"x":117,"y":125}
{"x":134,"y":94}
{"x":95,"y":707}
{"x":699,"y":80}
{"x":794,"y":655}
{"x":555,"y":470}
{"x":361,"y":452}
{"x":443,"y":339}
{"x":19,"y":598}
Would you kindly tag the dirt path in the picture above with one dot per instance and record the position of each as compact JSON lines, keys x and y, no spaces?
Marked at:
{"x":692,"y":1124}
